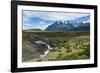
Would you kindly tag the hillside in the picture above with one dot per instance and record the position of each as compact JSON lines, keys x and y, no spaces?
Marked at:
{"x":77,"y":24}
{"x":62,"y":26}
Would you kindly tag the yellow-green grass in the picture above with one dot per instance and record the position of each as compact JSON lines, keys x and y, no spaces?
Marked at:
{"x":66,"y":46}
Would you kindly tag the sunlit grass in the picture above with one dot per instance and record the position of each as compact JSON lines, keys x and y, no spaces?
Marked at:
{"x":66,"y":46}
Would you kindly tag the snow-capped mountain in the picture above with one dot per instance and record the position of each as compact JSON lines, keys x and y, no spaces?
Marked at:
{"x":78,"y":24}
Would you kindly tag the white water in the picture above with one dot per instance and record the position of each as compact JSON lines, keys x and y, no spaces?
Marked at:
{"x":39,"y":42}
{"x":48,"y":49}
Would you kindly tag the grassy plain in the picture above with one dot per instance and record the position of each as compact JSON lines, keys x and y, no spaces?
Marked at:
{"x":70,"y":45}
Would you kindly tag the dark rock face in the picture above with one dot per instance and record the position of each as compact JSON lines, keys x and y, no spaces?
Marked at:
{"x":43,"y":47}
{"x":77,"y":24}
{"x":69,"y":26}
{"x":29,"y":54}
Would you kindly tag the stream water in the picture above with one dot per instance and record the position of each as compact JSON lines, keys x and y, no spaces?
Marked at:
{"x":46,"y":45}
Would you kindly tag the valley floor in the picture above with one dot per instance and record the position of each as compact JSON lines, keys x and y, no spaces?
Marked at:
{"x":70,"y":45}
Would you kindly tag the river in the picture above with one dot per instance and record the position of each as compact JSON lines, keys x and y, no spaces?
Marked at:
{"x":46,"y":45}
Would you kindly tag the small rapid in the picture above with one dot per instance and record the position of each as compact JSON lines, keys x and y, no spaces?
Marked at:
{"x":46,"y":45}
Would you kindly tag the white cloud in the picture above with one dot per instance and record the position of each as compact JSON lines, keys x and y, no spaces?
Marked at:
{"x":40,"y":25}
{"x":52,"y":15}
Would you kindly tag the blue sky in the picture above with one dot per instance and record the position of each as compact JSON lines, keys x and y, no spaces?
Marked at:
{"x":42,"y":19}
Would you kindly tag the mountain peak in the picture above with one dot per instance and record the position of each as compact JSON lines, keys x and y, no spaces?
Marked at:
{"x":59,"y":26}
{"x":70,"y":25}
{"x":58,"y":22}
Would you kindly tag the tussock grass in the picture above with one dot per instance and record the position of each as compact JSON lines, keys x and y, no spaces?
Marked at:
{"x":66,"y":46}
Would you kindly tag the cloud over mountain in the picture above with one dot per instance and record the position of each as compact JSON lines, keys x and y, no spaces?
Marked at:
{"x":71,"y":25}
{"x":43,"y":19}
